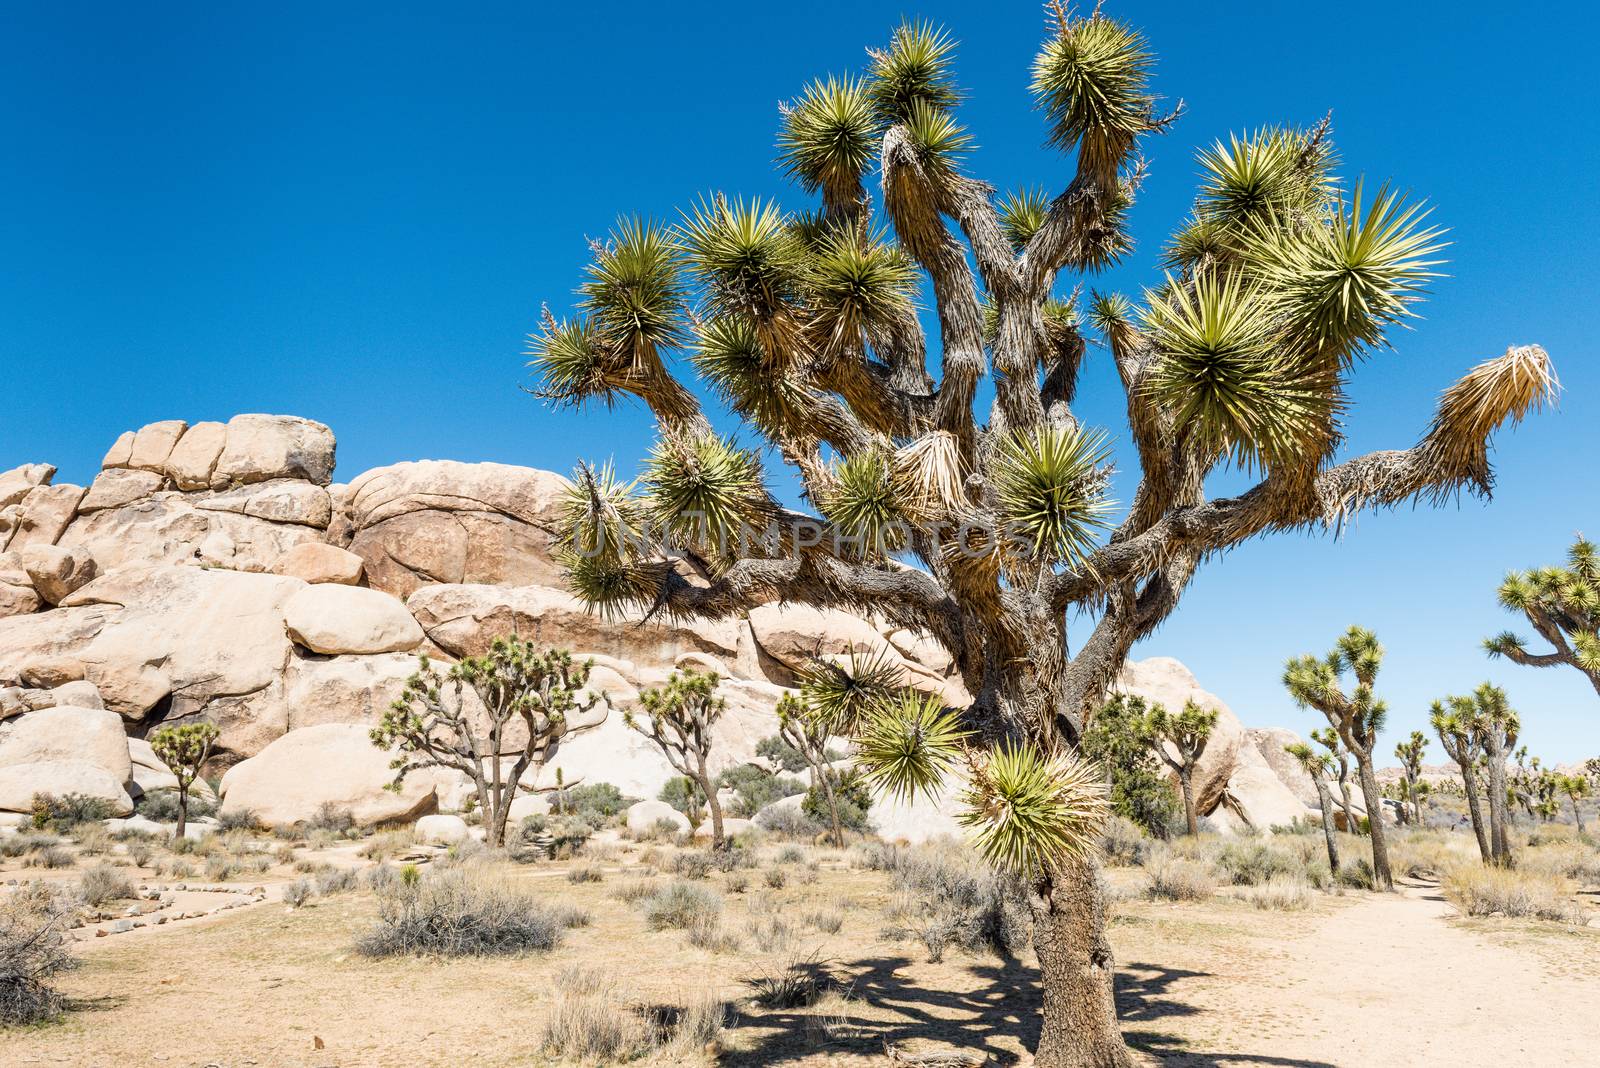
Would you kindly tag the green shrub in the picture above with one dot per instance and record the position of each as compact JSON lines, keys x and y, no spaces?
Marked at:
{"x":61,"y":813}
{"x":238,"y":819}
{"x":854,"y":797}
{"x":162,"y":806}
{"x":1251,"y":862}
{"x":596,"y":803}
{"x":1120,"y":739}
{"x":683,"y":794}
{"x":755,"y":788}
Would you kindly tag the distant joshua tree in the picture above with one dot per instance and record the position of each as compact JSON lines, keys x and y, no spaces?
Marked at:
{"x":1495,"y":725}
{"x":1409,"y":753}
{"x":1187,"y":733}
{"x":184,"y":749}
{"x":1452,"y":720}
{"x":1358,"y":717}
{"x":1576,"y":787}
{"x":1320,"y":766}
{"x":679,"y":717}
{"x":1328,"y":738}
{"x":482,"y":710}
{"x":1563,"y":606}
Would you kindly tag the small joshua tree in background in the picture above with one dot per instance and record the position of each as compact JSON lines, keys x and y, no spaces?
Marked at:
{"x":1320,"y":766}
{"x":679,"y":719}
{"x":183,"y":749}
{"x":1495,"y":726}
{"x":1576,"y":787}
{"x":1563,"y":606}
{"x":807,"y":737}
{"x":1453,"y":724}
{"x":513,"y":699}
{"x":1409,"y":753}
{"x":1328,"y":738}
{"x":1358,"y":717}
{"x":1123,"y":743}
{"x":1187,"y":733}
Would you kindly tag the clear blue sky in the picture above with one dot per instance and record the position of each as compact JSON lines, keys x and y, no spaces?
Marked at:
{"x":353,"y":212}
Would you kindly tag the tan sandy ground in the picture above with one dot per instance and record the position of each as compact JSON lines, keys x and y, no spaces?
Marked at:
{"x":1361,"y":980}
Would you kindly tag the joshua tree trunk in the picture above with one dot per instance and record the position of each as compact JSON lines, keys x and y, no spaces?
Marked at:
{"x":1577,"y":813}
{"x":1499,"y":838}
{"x":709,"y":788}
{"x":183,"y":813}
{"x":1374,"y":801}
{"x":1351,"y":824}
{"x":1186,"y":780}
{"x":1076,"y":971}
{"x":1325,"y":801}
{"x":1469,"y":779}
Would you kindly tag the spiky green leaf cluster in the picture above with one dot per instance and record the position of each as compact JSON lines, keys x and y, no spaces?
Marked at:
{"x":858,"y":286}
{"x":706,"y":492}
{"x":863,"y":504}
{"x":1021,"y":214}
{"x":1563,"y":604}
{"x":914,"y":71}
{"x":1092,"y":80}
{"x":829,"y":135}
{"x":1051,"y":490}
{"x":633,"y":295}
{"x":745,"y":257}
{"x":908,"y":744}
{"x":1027,"y":808}
{"x":838,"y":696}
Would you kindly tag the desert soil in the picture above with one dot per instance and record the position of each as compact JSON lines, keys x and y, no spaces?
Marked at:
{"x":1360,"y":980}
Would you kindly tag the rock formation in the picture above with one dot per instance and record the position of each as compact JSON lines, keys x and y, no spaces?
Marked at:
{"x":214,"y":571}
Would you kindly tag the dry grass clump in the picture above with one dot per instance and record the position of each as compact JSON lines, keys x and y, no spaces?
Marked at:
{"x":103,"y":884}
{"x":1428,"y":855}
{"x":590,"y":1022}
{"x":945,"y":896}
{"x":1178,"y":878}
{"x":459,"y":912}
{"x":1569,"y":859}
{"x":1486,"y":891}
{"x":1122,"y":842}
{"x":1280,"y":893}
{"x":681,"y":904}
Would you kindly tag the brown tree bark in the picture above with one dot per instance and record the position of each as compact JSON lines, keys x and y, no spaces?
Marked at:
{"x":1374,"y":801}
{"x":1076,"y":971}
{"x":1469,"y":779}
{"x":1186,"y":781}
{"x":1325,"y":801}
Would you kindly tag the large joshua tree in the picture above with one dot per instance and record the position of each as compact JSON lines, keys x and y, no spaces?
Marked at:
{"x":1563,"y":606}
{"x":990,"y":533}
{"x":1358,"y":715}
{"x":1452,"y":721}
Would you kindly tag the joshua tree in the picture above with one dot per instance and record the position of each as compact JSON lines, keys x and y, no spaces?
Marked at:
{"x":1496,"y":726}
{"x":1187,"y":733}
{"x":513,"y":699}
{"x":1563,"y":606}
{"x":1320,"y":766}
{"x":1409,"y":753}
{"x":803,"y":734}
{"x":184,"y":749}
{"x":1576,"y":787}
{"x":1328,"y":738}
{"x":680,"y":717}
{"x":806,"y":324}
{"x":1357,"y":716}
{"x":1454,"y":725}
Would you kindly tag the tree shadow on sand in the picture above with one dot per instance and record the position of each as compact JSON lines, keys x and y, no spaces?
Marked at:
{"x":997,"y":1015}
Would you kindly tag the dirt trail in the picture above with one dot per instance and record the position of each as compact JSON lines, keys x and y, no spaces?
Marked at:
{"x":1393,"y":980}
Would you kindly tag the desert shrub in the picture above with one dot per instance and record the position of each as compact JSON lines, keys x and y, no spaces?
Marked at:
{"x":597,"y":803}
{"x":755,"y":788}
{"x":791,"y":854}
{"x":827,"y":920}
{"x":1282,"y":893}
{"x":1122,"y":841}
{"x":634,"y":890}
{"x":458,"y":912}
{"x":571,"y":916}
{"x":381,"y":876}
{"x":692,"y":865}
{"x":162,"y":806}
{"x":331,"y":880}
{"x":238,"y":819}
{"x":1566,"y":859}
{"x":584,"y":1023}
{"x":50,"y":856}
{"x":587,"y":873}
{"x":1120,"y":739}
{"x":92,"y":839}
{"x":1488,"y":891}
{"x":708,"y":933}
{"x":776,"y":878}
{"x":33,"y":950}
{"x":770,"y":934}
{"x":683,"y":794}
{"x":386,"y":844}
{"x":103,"y":884}
{"x":1253,"y":861}
{"x":788,"y":823}
{"x":1358,"y":875}
{"x":1178,"y":878}
{"x":737,"y":882}
{"x":331,"y":817}
{"x":221,"y":868}
{"x":140,"y":853}
{"x":698,"y":1023}
{"x":797,"y":984}
{"x":945,"y":896}
{"x":298,"y":893}
{"x":854,"y":797}
{"x":875,"y":855}
{"x":54,"y":813}
{"x":680,"y":904}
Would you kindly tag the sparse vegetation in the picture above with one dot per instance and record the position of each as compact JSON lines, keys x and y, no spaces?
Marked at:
{"x":184,"y":749}
{"x":458,"y":912}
